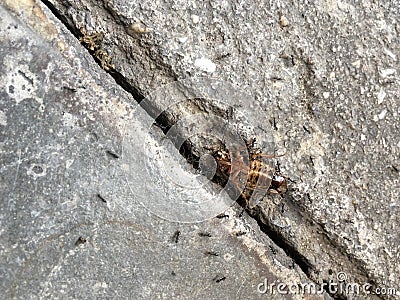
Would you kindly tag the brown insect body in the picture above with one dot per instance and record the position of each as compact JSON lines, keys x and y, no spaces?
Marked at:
{"x":260,"y":176}
{"x":93,"y":42}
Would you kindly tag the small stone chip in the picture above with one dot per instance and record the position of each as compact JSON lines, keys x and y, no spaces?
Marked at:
{"x":283,"y":21}
{"x":205,"y":65}
{"x":195,"y":19}
{"x":139,"y":28}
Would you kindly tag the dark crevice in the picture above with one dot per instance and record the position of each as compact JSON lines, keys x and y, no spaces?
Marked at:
{"x":280,"y":241}
{"x":118,"y":77}
{"x":122,"y":82}
{"x":64,"y":20}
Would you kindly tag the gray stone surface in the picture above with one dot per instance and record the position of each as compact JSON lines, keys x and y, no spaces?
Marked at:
{"x":322,"y":78}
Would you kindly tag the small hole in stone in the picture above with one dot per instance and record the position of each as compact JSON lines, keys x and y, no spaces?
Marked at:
{"x":37,"y":169}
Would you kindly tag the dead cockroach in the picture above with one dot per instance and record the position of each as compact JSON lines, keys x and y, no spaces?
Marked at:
{"x":104,"y":59}
{"x":260,"y":177}
{"x":93,"y":42}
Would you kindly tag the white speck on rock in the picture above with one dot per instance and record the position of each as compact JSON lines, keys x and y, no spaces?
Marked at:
{"x":195,"y":19}
{"x":3,"y":118}
{"x":182,"y":39}
{"x":381,"y":96}
{"x":205,"y":65}
{"x":387,"y":72}
{"x":382,"y":115}
{"x":283,"y":21}
{"x":356,"y":64}
{"x":68,"y":163}
{"x":390,"y":53}
{"x":228,"y":256}
{"x":21,"y":83}
{"x":326,"y":95}
{"x":339,"y":126}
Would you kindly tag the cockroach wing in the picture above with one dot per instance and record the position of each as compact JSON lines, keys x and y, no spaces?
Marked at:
{"x":265,"y":176}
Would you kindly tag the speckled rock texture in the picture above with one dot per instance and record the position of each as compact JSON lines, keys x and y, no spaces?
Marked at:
{"x":316,"y":82}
